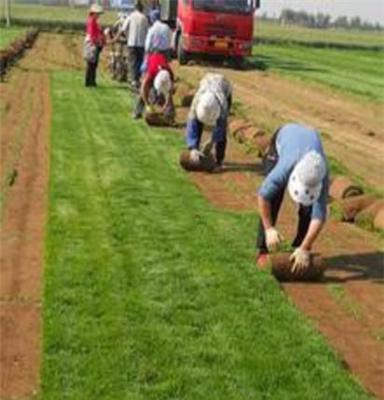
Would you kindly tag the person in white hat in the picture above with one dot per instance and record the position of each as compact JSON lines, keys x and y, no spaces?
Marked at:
{"x":295,"y":160}
{"x":157,"y":87}
{"x":210,"y":107}
{"x":93,"y":44}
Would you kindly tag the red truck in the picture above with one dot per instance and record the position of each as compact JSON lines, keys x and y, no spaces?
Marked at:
{"x":213,"y":27}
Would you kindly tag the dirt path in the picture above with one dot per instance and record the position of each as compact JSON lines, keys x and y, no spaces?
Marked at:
{"x":25,"y":124}
{"x":353,"y":130}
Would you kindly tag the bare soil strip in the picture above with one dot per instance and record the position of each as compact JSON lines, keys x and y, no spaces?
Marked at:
{"x":347,"y":306}
{"x":25,"y":125}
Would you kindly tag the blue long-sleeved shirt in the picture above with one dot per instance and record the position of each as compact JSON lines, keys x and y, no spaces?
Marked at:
{"x":292,"y":143}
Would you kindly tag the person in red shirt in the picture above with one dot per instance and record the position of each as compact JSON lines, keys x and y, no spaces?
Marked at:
{"x":155,"y":62}
{"x":93,"y":45}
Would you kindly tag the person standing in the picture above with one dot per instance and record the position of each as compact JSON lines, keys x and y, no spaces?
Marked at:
{"x":93,"y":44}
{"x":135,"y":27}
{"x":295,"y":160}
{"x":210,"y":107}
{"x":159,"y":35}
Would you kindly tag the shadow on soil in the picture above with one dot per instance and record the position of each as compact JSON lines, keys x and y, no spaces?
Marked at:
{"x":356,"y":267}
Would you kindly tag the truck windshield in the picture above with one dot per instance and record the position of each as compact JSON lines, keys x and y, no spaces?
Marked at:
{"x":224,"y":6}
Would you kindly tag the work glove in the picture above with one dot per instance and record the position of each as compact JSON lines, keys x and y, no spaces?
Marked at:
{"x":150,"y":109}
{"x":300,"y":260}
{"x":195,"y":155}
{"x":207,"y":147}
{"x":272,"y":238}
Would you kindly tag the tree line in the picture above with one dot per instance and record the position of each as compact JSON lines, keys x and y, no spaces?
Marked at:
{"x":324,"y":21}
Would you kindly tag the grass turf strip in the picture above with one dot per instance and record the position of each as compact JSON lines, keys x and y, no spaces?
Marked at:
{"x":351,"y":71}
{"x":8,"y":35}
{"x":150,"y":292}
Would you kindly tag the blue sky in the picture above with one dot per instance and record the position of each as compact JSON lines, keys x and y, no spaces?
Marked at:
{"x":368,"y":10}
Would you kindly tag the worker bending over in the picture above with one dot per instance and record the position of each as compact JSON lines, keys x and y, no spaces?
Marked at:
{"x":210,"y":107}
{"x":295,"y":160}
{"x":157,"y":87}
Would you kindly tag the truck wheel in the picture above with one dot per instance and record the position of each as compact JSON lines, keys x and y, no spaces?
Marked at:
{"x":182,"y":55}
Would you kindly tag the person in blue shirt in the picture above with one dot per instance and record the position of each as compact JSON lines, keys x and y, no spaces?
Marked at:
{"x":295,"y":160}
{"x":159,"y":35}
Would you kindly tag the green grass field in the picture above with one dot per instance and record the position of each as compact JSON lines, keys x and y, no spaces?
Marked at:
{"x":7,"y":35}
{"x":351,"y":71}
{"x":150,"y":292}
{"x":271,"y":30}
{"x":54,"y":13}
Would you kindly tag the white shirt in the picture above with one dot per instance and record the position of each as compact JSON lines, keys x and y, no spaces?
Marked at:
{"x":158,"y":38}
{"x":136,"y":28}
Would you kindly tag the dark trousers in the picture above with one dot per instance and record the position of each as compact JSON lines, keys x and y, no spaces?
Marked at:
{"x":135,"y":59}
{"x":305,"y":213}
{"x":90,"y":72}
{"x":219,"y":136}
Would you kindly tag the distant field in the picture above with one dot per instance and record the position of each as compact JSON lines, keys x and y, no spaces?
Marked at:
{"x":356,"y":72}
{"x":269,"y":30}
{"x":53,"y":13}
{"x":7,"y":35}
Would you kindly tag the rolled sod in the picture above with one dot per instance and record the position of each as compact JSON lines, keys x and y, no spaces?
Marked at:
{"x":262,"y":143}
{"x":186,"y":99}
{"x":245,"y":132}
{"x":157,"y":119}
{"x":378,"y":222}
{"x":236,"y":126}
{"x":366,"y":217}
{"x":342,"y":187}
{"x":281,"y":268}
{"x":350,"y":207}
{"x":205,"y":164}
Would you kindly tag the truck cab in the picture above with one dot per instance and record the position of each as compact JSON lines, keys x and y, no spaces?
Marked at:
{"x":215,"y":27}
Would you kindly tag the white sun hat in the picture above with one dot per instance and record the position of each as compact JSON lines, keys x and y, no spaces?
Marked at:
{"x":163,"y":82}
{"x":96,"y":9}
{"x":208,"y":109}
{"x":305,"y":181}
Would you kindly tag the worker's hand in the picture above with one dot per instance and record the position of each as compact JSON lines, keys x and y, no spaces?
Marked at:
{"x":207,"y":147}
{"x":195,"y":155}
{"x":150,"y":109}
{"x":272,"y":238}
{"x":300,"y":259}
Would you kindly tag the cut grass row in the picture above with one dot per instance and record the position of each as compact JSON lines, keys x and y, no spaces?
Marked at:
{"x":355,"y":72}
{"x":150,"y":292}
{"x":8,"y":35}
